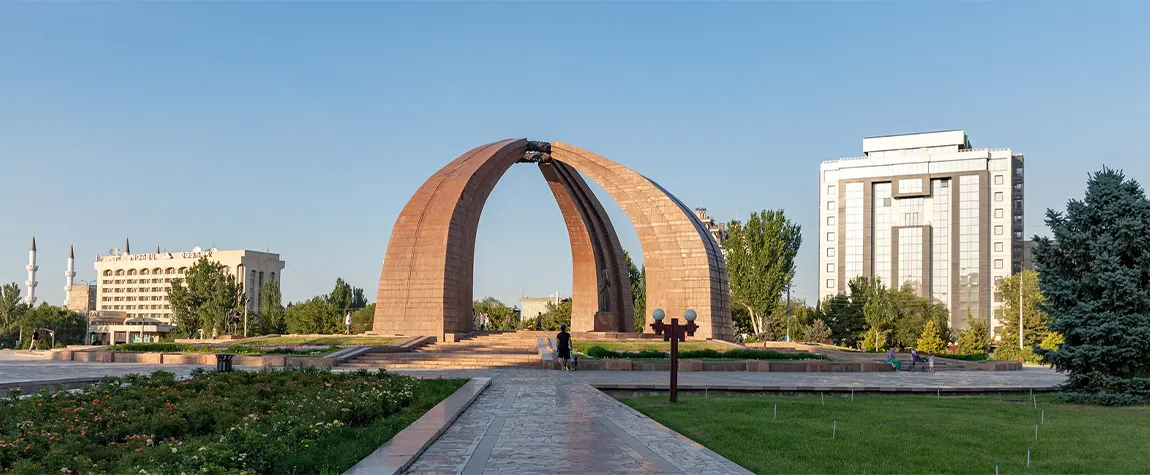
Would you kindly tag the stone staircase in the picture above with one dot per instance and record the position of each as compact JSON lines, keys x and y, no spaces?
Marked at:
{"x":481,"y":350}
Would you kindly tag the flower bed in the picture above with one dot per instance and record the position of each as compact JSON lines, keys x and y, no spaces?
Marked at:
{"x":705,"y":354}
{"x":239,"y":348}
{"x":286,"y":421}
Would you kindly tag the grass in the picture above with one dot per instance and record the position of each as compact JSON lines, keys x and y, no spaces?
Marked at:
{"x":336,"y":340}
{"x":909,"y":434}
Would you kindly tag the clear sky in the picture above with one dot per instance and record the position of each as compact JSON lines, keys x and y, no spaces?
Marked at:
{"x":304,"y":127}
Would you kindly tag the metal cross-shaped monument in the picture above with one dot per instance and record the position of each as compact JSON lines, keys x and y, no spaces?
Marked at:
{"x":674,"y":333}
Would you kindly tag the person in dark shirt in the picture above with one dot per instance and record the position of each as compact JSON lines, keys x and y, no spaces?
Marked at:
{"x":563,"y":347}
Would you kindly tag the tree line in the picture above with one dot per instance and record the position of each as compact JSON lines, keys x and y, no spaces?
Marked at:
{"x":18,"y":321}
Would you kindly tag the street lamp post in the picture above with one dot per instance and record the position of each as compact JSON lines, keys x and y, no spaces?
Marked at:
{"x":674,"y":333}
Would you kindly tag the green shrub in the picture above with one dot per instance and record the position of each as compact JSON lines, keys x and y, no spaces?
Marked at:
{"x":733,"y":354}
{"x":970,"y":357}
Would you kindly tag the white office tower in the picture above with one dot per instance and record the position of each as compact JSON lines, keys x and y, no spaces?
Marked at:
{"x":925,"y":210}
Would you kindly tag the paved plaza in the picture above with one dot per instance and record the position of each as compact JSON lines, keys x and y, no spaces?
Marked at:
{"x":541,"y":421}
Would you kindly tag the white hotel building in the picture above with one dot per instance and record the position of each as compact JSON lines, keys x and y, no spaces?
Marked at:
{"x":924,"y":210}
{"x":132,"y":289}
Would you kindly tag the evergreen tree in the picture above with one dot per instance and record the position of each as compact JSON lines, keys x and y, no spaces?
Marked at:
{"x":1095,"y":275}
{"x":974,"y":338}
{"x":930,"y":342}
{"x":638,"y":278}
{"x":817,"y":332}
{"x":271,"y":318}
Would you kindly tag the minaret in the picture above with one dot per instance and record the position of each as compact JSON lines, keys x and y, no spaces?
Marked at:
{"x":127,"y":248}
{"x":32,"y":268}
{"x":70,"y":274}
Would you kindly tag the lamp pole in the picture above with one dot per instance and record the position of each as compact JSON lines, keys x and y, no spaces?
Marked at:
{"x":674,"y":333}
{"x":1020,"y":325}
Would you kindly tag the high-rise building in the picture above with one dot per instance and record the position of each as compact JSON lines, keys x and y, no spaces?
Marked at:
{"x":925,"y":210}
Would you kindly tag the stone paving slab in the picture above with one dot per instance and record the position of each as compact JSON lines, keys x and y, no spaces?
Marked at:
{"x":532,"y":421}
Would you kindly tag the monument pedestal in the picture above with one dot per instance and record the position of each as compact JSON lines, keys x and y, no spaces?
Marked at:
{"x":604,"y":322}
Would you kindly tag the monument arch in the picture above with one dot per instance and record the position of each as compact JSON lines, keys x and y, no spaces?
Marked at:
{"x":426,"y":283}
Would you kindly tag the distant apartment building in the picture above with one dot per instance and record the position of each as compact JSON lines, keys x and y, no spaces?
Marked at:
{"x":925,"y":210}
{"x":82,"y":298}
{"x":529,"y":307}
{"x":717,"y":230}
{"x":132,"y":289}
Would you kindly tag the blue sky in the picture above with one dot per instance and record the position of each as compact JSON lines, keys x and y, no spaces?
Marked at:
{"x":304,"y":127}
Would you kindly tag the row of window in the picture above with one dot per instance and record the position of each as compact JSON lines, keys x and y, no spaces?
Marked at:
{"x":141,"y":281}
{"x":156,"y":271}
{"x":154,"y":298}
{"x":135,"y":307}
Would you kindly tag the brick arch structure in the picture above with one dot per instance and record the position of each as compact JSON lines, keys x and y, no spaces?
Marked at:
{"x":426,"y":283}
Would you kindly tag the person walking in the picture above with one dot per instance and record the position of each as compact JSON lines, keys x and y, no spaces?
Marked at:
{"x":35,"y":341}
{"x":347,"y":322}
{"x":563,"y":347}
{"x":539,"y":321}
{"x":930,"y":361}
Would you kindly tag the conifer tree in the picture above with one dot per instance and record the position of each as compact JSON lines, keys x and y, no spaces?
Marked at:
{"x":1095,"y":275}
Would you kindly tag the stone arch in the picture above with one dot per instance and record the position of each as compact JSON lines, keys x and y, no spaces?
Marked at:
{"x":426,"y":282}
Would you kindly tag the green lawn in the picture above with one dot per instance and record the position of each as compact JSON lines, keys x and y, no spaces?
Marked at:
{"x":582,"y":346}
{"x":336,"y":340}
{"x":910,"y":434}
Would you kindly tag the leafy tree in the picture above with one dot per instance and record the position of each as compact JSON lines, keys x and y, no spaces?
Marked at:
{"x":760,"y":258}
{"x":345,"y":297}
{"x":207,"y":298}
{"x":880,"y":314}
{"x":1036,"y":322}
{"x":1095,"y":275}
{"x":817,"y":332}
{"x":1052,"y":341}
{"x":975,"y":337}
{"x":69,"y":326}
{"x":844,"y":315}
{"x":12,"y":308}
{"x":313,"y":316}
{"x":499,"y":315}
{"x":272,"y":314}
{"x":556,"y":315}
{"x":638,"y":280}
{"x":929,"y":341}
{"x":875,"y":340}
{"x":363,"y":320}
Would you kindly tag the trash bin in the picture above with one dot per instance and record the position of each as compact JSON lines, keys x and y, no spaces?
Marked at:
{"x":224,"y":363}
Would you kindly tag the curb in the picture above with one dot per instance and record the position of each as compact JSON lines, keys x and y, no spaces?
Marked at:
{"x":397,"y":454}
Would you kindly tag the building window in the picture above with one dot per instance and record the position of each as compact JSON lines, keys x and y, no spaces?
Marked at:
{"x":830,"y":220}
{"x":830,"y":237}
{"x":830,"y":252}
{"x":997,"y":179}
{"x":830,"y":190}
{"x":998,"y":196}
{"x":830,"y":206}
{"x":910,"y":186}
{"x":830,"y":267}
{"x":998,"y":213}
{"x":886,"y":202}
{"x":998,"y":247}
{"x":830,"y":283}
{"x":998,"y":263}
{"x":998,"y":230}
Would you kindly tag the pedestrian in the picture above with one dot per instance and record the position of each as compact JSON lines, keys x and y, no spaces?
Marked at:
{"x":35,"y":345}
{"x":347,"y":322}
{"x":930,"y":361}
{"x":539,"y":321}
{"x":563,"y":347}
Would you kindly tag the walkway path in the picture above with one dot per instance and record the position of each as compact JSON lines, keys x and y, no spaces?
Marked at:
{"x":533,"y":421}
